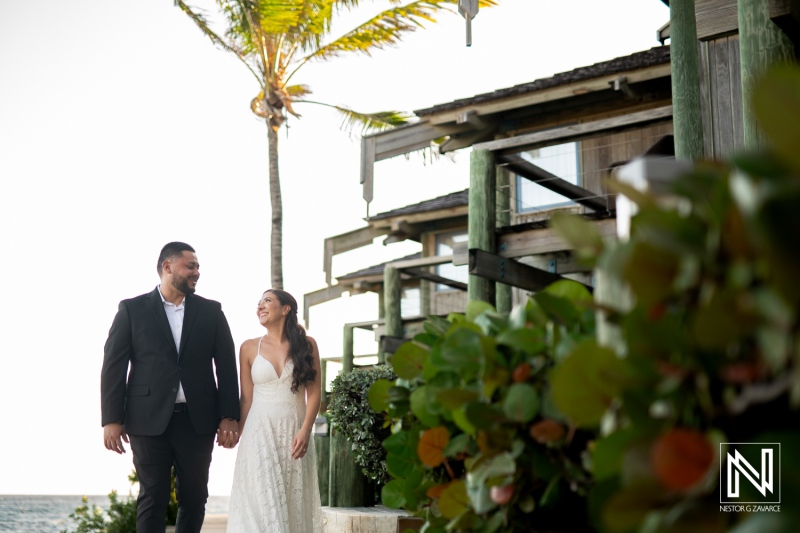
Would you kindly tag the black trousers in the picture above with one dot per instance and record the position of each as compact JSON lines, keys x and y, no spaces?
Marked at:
{"x":154,"y":457}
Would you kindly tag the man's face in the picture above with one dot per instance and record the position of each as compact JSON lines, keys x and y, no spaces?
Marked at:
{"x":185,"y":271}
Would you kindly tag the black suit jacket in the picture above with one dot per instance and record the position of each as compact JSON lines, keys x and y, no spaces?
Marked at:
{"x":140,"y":337}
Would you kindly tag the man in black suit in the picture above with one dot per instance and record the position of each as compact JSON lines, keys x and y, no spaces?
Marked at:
{"x":170,"y":405}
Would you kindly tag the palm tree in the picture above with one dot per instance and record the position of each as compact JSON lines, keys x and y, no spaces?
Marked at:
{"x":276,"y":38}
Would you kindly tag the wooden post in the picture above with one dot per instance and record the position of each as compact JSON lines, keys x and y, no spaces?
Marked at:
{"x":761,"y":44}
{"x":482,"y":219}
{"x":502,"y":290}
{"x":425,"y":286}
{"x":392,"y":293}
{"x":347,"y":349}
{"x":687,"y":117}
{"x":348,"y":486}
{"x":323,"y":380}
{"x":322,"y":449}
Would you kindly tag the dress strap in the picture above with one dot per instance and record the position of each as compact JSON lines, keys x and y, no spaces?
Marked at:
{"x":259,"y":346}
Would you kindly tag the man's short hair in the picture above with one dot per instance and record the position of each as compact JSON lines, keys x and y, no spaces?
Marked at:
{"x":172,"y":249}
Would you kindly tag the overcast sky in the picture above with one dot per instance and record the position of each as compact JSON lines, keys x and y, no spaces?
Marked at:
{"x":123,"y":128}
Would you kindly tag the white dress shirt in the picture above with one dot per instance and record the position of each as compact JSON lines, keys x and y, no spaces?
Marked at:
{"x":175,"y":318}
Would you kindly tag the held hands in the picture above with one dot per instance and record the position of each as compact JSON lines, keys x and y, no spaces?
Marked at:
{"x":300,"y":444}
{"x":113,"y":435}
{"x":228,"y":433}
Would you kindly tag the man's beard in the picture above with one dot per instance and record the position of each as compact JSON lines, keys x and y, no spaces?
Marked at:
{"x":182,"y":284}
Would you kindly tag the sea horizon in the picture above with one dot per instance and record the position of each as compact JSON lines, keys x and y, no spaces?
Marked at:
{"x":49,"y":513}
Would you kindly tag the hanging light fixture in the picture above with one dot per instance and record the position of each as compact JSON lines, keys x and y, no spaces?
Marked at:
{"x":468,"y":10}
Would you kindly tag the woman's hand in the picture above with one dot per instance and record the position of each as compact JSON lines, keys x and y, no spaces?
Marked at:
{"x":300,"y":444}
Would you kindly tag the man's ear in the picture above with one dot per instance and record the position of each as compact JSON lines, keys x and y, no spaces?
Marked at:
{"x":166,"y":266}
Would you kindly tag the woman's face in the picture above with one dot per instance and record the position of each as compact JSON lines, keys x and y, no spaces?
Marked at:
{"x":270,"y":310}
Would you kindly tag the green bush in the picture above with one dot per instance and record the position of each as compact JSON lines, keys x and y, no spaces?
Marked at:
{"x":528,"y":423}
{"x":350,"y":413}
{"x":477,"y":443}
{"x":121,"y":514}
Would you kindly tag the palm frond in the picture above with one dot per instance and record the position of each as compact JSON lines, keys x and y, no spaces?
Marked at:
{"x":366,"y":122}
{"x":387,"y":28}
{"x":201,"y":22}
{"x":298,"y":91}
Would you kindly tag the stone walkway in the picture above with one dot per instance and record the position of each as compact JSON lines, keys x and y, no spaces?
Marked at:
{"x":377,"y":519}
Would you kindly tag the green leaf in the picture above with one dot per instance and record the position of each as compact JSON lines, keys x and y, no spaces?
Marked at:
{"x":476,"y":308}
{"x":460,"y":419}
{"x":558,"y":308}
{"x":530,"y":341}
{"x":582,"y":236}
{"x":651,"y":272}
{"x":483,"y":416}
{"x":378,"y":395}
{"x":626,"y":510}
{"x":776,"y":98}
{"x":419,"y":406}
{"x":436,"y":326}
{"x":587,"y":381}
{"x":521,"y":403}
{"x":398,"y":443}
{"x":392,"y":494}
{"x":457,"y":444}
{"x":500,"y":467}
{"x":408,"y":360}
{"x":462,"y":351}
{"x":455,"y":398}
{"x":454,"y":500}
{"x":608,"y":453}
{"x":401,"y":464}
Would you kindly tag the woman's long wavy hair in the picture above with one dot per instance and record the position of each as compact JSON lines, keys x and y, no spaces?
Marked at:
{"x":300,"y":349}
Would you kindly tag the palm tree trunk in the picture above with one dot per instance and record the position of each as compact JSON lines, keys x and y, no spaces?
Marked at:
{"x":276,"y":240}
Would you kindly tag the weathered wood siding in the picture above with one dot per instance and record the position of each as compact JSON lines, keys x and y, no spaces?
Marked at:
{"x":598,"y":156}
{"x":449,"y":301}
{"x":721,"y":96}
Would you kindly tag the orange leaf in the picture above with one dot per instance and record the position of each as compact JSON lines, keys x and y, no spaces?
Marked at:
{"x":547,"y":431}
{"x":436,"y":491}
{"x":432,"y":444}
{"x":681,"y":457}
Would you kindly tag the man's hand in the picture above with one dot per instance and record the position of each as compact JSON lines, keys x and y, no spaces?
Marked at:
{"x":113,"y":435}
{"x":228,"y":433}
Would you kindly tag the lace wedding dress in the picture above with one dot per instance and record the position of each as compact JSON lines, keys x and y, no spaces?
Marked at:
{"x":273,"y":493}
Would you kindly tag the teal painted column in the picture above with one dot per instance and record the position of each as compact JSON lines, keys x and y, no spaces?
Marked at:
{"x":392,"y":293}
{"x":482,"y":219}
{"x":686,"y":115}
{"x":761,"y":44}
{"x":503,"y":291}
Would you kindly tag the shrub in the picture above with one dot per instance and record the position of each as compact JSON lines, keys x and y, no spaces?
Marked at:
{"x":350,"y":413}
{"x":121,"y":515}
{"x":477,"y":443}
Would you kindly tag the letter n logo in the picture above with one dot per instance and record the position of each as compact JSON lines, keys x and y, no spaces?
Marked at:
{"x":749,"y":472}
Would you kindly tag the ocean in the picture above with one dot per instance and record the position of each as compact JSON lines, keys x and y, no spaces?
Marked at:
{"x":50,"y":514}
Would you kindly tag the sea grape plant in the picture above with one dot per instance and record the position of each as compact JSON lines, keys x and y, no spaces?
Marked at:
{"x":476,"y":442}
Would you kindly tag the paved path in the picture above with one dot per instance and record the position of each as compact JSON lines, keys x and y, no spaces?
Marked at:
{"x":215,"y":523}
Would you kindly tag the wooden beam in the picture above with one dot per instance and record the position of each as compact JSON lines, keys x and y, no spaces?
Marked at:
{"x":521,"y":143}
{"x":389,"y":344}
{"x":503,"y":295}
{"x":423,"y":261}
{"x":500,"y":269}
{"x":424,"y":274}
{"x":348,"y":241}
{"x":347,"y":349}
{"x":548,"y":95}
{"x":540,"y":176}
{"x":545,"y":240}
{"x":327,"y":294}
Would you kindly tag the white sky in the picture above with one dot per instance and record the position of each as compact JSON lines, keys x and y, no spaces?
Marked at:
{"x":123,"y":128}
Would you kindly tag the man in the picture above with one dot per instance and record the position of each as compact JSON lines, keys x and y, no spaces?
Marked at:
{"x":170,"y":405}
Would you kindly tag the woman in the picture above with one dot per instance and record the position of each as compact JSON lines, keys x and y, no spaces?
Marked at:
{"x":275,"y":487}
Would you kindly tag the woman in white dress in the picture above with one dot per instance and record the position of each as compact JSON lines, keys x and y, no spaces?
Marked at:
{"x":275,"y":488}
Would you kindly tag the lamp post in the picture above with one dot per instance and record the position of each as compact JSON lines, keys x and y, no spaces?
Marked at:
{"x":468,"y":10}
